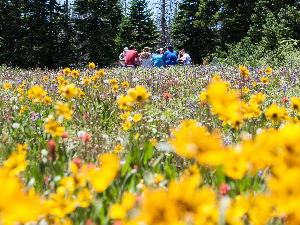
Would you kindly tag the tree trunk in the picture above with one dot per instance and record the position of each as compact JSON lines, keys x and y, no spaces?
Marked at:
{"x":163,"y":23}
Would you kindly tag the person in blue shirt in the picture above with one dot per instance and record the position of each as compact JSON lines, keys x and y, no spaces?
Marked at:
{"x":157,"y":59}
{"x":170,"y":57}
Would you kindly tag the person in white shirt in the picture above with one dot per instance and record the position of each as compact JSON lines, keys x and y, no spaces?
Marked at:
{"x":184,"y":57}
{"x":123,"y":54}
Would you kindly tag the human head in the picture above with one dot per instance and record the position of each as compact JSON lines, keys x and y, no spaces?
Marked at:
{"x":170,"y":47}
{"x":125,"y":49}
{"x":146,"y":49}
{"x":157,"y":51}
{"x":131,"y":47}
{"x":183,"y":51}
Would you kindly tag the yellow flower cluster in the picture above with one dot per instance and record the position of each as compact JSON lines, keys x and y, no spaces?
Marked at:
{"x":22,"y":206}
{"x":137,"y":95}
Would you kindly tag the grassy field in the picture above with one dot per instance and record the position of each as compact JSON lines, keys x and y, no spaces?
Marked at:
{"x":179,"y":145}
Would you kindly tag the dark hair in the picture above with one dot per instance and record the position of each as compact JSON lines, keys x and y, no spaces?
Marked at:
{"x":131,"y":47}
{"x":170,"y":47}
{"x":157,"y":51}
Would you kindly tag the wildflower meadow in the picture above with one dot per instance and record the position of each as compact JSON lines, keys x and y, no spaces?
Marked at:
{"x":204,"y":145}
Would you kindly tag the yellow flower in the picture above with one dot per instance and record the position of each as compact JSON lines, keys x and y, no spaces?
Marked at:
{"x":118,"y":148}
{"x":246,"y":90}
{"x":101,"y":178}
{"x":158,"y":209}
{"x":159,"y":178}
{"x":260,"y":71}
{"x":257,"y":98}
{"x":235,"y":164}
{"x":67,"y":71}
{"x":207,"y":149}
{"x":217,"y":77}
{"x":74,"y":74}
{"x":124,"y":116}
{"x":63,"y":110}
{"x":264,"y":80}
{"x":124,"y":102}
{"x":53,"y":127}
{"x":203,"y":96}
{"x":128,"y":200}
{"x":136,"y":136}
{"x":22,"y":148}
{"x":137,"y":117}
{"x":295,"y":103}
{"x":18,"y":206}
{"x":138,"y":95}
{"x":254,"y":84}
{"x":92,"y":66}
{"x":23,"y":109}
{"x":100,"y":72}
{"x":86,"y":81}
{"x":276,"y":113}
{"x":36,"y":92}
{"x":115,"y":88}
{"x":81,"y":94}
{"x":268,"y":70}
{"x":95,"y":86}
{"x":84,"y":197}
{"x":47,"y":100}
{"x":153,"y":141}
{"x":125,"y":84}
{"x":237,"y":210}
{"x":126,"y":126}
{"x":6,"y":86}
{"x":243,"y":70}
{"x":69,"y":91}
{"x":113,"y":82}
{"x":116,"y":211}
{"x":16,"y":163}
{"x":45,"y":79}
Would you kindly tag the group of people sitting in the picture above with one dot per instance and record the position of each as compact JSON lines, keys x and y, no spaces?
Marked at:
{"x":158,"y":59}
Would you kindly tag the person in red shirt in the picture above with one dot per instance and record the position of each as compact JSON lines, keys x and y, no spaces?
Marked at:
{"x":131,"y":55}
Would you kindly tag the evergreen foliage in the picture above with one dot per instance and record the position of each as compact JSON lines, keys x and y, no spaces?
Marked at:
{"x":96,"y":23}
{"x":138,"y":27}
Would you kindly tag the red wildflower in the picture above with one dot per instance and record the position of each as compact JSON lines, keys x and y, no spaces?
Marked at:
{"x":166,"y":95}
{"x":86,"y":138}
{"x":284,"y":100}
{"x":77,"y":161}
{"x":224,"y":189}
{"x":85,"y":115}
{"x":203,"y":102}
{"x":52,"y":149}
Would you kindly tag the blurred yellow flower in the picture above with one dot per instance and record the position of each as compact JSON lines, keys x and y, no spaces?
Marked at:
{"x":92,"y":66}
{"x":125,"y":84}
{"x":264,"y":80}
{"x":268,"y":70}
{"x":118,"y":148}
{"x":126,"y":126}
{"x":137,"y":117}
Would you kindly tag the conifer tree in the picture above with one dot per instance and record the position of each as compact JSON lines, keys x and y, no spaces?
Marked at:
{"x":138,"y":27}
{"x":194,"y":27}
{"x":96,"y":24}
{"x":12,"y":32}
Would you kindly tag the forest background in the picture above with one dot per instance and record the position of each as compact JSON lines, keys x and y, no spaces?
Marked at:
{"x":52,"y":34}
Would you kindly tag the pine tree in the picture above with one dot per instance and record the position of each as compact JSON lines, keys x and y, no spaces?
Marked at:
{"x":273,"y":13}
{"x":97,"y":23}
{"x":11,"y":32}
{"x":234,"y":19}
{"x":194,"y":27}
{"x":138,"y":27}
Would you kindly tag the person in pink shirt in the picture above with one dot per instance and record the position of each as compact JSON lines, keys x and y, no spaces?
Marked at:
{"x":131,"y":57}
